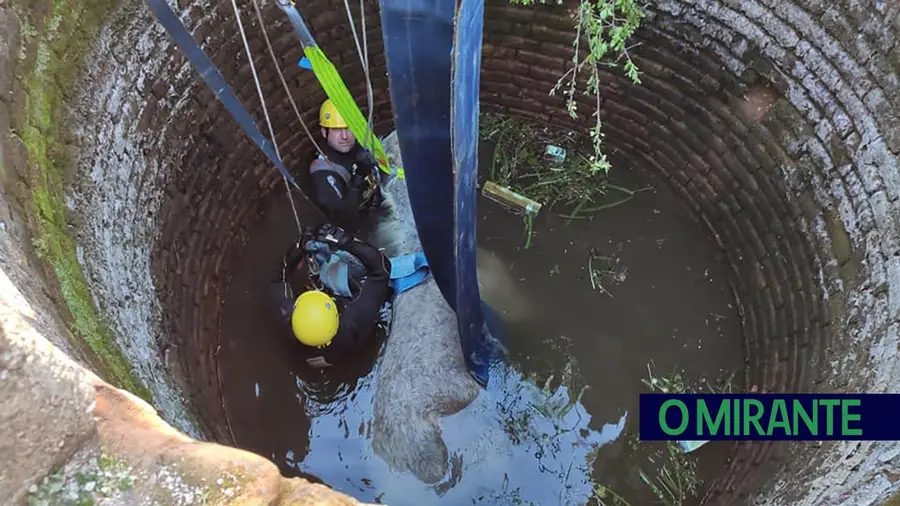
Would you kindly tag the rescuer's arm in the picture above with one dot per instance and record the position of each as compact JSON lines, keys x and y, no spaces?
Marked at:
{"x":292,"y":259}
{"x":339,"y":201}
{"x":360,"y":315}
{"x":378,"y":267}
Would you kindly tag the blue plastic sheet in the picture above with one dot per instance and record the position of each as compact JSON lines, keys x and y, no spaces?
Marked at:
{"x":418,"y":36}
{"x":475,"y":335}
{"x":422,"y":63}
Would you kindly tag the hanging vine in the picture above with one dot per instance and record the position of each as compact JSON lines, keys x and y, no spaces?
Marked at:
{"x":605,"y":26}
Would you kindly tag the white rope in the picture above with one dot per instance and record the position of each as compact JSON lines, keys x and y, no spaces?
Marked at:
{"x":287,"y":89}
{"x":364,"y":61}
{"x":371,"y":98}
{"x":262,"y":100}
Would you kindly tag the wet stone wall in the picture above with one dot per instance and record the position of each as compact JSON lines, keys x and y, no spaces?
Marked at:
{"x":224,"y":177}
{"x":776,"y":121}
{"x":169,"y":171}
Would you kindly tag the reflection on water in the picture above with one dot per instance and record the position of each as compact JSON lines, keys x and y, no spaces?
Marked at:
{"x":535,"y":435}
{"x":515,"y":441}
{"x":327,"y":391}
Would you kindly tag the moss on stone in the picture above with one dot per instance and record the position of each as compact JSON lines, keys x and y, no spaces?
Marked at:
{"x":61,"y":48}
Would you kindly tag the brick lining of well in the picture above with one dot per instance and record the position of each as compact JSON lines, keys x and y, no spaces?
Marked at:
{"x":761,"y":186}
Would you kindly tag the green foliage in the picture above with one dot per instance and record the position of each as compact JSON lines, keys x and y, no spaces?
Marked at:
{"x":675,"y":481}
{"x":604,"y":27}
{"x":605,"y":496}
{"x":677,"y":382}
{"x":575,"y":187}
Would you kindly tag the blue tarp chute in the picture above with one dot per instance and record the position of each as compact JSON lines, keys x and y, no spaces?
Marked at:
{"x":434,"y":80}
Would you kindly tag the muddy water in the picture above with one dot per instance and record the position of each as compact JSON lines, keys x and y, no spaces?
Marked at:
{"x":658,"y":295}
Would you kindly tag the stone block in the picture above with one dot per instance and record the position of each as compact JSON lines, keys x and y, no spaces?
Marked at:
{"x":837,"y":25}
{"x":550,"y":36}
{"x":9,"y":51}
{"x":893,"y":277}
{"x":783,"y":33}
{"x":685,"y":196}
{"x":650,"y":110}
{"x":887,"y":218}
{"x":689,"y":135}
{"x":705,"y":198}
{"x":751,"y":235}
{"x":886,"y":116}
{"x":733,"y":234}
{"x":751,"y":204}
{"x":540,"y":60}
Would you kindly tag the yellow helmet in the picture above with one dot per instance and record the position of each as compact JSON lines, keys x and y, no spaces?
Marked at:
{"x":329,"y":117}
{"x":315,"y":318}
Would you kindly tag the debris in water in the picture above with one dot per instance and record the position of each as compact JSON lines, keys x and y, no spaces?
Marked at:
{"x":689,"y":446}
{"x":554,"y":154}
{"x":510,"y":199}
{"x":256,"y":385}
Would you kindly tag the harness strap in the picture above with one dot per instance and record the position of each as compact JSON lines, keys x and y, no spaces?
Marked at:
{"x":320,"y":164}
{"x":216,"y":83}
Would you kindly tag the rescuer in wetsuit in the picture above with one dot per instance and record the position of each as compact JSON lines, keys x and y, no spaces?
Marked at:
{"x":330,"y":327}
{"x":345,"y":179}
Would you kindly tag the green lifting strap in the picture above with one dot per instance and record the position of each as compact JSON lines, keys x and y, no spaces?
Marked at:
{"x":335,"y":88}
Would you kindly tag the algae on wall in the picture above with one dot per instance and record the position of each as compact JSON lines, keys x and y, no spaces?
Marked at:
{"x":60,"y":37}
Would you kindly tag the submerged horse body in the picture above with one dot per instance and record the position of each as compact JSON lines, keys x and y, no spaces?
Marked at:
{"x":514,"y":432}
{"x":422,"y":376}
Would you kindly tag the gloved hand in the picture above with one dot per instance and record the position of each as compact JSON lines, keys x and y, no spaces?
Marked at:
{"x":366,"y":158}
{"x":377,"y":198}
{"x":332,"y":235}
{"x":308,"y":233}
{"x":358,"y":180}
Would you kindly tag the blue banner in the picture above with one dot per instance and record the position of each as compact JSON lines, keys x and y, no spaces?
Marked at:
{"x":775,"y":417}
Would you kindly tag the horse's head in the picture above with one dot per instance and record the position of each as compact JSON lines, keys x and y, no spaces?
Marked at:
{"x":396,"y":228}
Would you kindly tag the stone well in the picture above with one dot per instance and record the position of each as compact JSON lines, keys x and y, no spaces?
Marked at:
{"x":775,"y":120}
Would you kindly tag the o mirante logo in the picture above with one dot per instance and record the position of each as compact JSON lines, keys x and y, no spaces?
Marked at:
{"x":735,"y":417}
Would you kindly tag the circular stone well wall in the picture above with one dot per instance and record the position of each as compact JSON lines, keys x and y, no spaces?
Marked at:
{"x":776,"y":121}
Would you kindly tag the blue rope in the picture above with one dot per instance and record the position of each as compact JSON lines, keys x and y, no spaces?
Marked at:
{"x":210,"y":74}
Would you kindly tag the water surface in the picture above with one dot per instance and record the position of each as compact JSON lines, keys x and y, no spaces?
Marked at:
{"x":659,"y":295}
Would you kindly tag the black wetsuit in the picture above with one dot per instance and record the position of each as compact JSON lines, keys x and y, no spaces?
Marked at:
{"x":358,"y":316}
{"x":345,"y":195}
